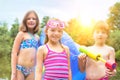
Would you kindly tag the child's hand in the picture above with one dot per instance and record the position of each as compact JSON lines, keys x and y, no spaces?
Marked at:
{"x":82,"y":58}
{"x":110,"y":73}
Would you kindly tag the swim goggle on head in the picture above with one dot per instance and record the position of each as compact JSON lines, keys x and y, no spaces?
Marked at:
{"x":55,"y":23}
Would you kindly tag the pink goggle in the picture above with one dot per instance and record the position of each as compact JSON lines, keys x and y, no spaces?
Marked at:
{"x":55,"y":23}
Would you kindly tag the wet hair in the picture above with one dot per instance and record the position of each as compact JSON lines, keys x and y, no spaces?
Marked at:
{"x":101,"y":25}
{"x":24,"y":27}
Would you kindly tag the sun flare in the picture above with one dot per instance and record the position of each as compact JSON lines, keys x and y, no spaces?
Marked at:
{"x":85,"y":21}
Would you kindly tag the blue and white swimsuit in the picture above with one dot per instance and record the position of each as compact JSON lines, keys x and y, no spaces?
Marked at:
{"x":28,"y":43}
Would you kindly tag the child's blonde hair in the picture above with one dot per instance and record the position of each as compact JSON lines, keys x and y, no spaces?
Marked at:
{"x":24,"y":27}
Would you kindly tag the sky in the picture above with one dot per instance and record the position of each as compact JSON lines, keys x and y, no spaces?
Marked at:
{"x":62,"y":9}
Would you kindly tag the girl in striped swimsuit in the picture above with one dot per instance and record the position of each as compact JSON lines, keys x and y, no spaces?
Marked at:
{"x":54,"y":55}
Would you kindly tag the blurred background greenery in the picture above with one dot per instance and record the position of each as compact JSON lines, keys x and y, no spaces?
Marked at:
{"x":80,"y":34}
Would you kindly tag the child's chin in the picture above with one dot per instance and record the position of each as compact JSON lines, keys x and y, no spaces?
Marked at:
{"x":54,"y":41}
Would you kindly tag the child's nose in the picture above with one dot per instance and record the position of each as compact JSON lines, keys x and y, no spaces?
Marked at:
{"x":56,"y":32}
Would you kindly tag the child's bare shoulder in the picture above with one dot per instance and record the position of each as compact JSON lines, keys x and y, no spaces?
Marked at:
{"x":110,"y":48}
{"x":42,"y":48}
{"x":20,"y":33}
{"x":66,"y":47}
{"x":37,"y":36}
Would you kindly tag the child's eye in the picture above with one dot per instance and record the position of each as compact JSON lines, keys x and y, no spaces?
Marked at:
{"x":103,"y":32}
{"x":31,"y":18}
{"x":34,"y":18}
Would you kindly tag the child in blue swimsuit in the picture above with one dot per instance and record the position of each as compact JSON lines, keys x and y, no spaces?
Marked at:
{"x":25,"y":47}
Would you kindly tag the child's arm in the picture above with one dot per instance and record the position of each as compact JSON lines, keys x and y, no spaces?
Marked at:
{"x":112,"y":59}
{"x":39,"y":64}
{"x":82,"y":62}
{"x":68,"y":53}
{"x":14,"y":53}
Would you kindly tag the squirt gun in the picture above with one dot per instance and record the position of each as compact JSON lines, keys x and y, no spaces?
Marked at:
{"x":97,"y":57}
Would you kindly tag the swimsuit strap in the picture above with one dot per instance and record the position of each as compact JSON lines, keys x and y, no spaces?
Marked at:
{"x":52,"y":50}
{"x":31,"y":35}
{"x":47,"y":47}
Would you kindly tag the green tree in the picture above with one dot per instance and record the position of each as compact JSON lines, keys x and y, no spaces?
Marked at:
{"x":114,"y":16}
{"x":14,"y":29}
{"x":73,"y":28}
{"x":5,"y":50}
{"x":6,"y":42}
{"x":114,"y":39}
{"x":44,"y":21}
{"x":114,"y":23}
{"x":80,"y":34}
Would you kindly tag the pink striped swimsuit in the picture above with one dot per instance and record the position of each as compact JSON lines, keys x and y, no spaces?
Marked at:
{"x":56,"y":65}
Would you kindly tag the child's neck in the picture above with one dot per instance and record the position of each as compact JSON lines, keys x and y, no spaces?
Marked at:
{"x":30,"y":31}
{"x":99,"y":45}
{"x":53,"y":43}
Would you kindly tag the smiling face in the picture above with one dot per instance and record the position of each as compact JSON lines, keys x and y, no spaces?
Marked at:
{"x":54,"y":30}
{"x":54,"y":34}
{"x":31,"y":21}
